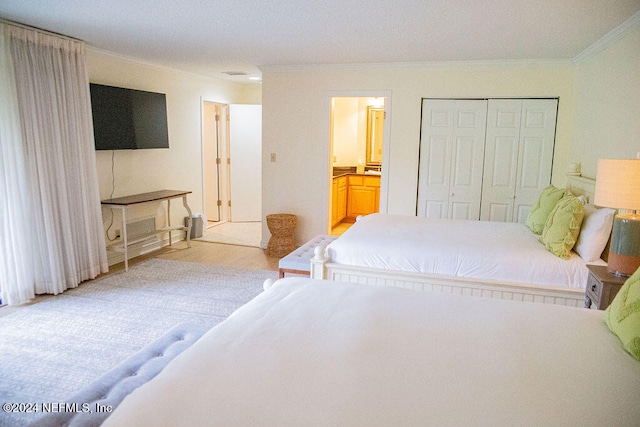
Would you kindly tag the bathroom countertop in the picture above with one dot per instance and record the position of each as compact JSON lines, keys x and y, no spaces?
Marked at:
{"x":338,"y":175}
{"x":339,"y":171}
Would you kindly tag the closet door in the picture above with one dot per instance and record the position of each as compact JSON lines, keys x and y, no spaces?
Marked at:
{"x":451,"y":157}
{"x":501,"y":159}
{"x":518,"y":156}
{"x":535,"y":153}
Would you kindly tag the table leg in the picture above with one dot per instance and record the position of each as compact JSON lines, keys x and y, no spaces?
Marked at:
{"x":124,"y":240}
{"x":190,"y":221}
{"x":169,"y":218}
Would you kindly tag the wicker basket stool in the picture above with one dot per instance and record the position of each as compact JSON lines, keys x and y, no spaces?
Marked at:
{"x":281,"y":241}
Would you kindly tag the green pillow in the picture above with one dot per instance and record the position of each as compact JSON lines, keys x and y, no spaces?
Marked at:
{"x":623,"y":315}
{"x":542,"y":208}
{"x":562,"y":228}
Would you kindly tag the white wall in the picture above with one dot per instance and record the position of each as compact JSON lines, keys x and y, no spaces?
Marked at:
{"x":180,"y":166}
{"x":608,"y":104}
{"x":296,"y":125}
{"x":245,"y":150}
{"x":346,"y":131}
{"x":350,"y":130}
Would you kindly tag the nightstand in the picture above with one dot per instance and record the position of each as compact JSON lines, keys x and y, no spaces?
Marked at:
{"x":602,"y":287}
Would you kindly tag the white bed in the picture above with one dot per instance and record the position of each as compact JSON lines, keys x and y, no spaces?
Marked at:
{"x":321,"y":353}
{"x":480,"y":258}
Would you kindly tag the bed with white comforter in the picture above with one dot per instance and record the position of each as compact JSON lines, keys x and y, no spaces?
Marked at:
{"x":499,"y":251}
{"x":321,"y":353}
{"x":478,"y":258}
{"x":482,"y":258}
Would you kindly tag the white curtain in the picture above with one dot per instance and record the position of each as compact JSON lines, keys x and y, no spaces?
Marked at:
{"x":16,"y":275}
{"x":52,"y":233}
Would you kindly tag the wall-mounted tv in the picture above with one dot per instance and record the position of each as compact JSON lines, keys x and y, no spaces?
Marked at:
{"x":128,"y":119}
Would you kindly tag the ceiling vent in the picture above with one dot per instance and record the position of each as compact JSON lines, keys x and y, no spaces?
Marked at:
{"x":235,"y":73}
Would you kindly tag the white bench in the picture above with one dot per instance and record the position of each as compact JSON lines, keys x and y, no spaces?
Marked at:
{"x":112,"y":387}
{"x":299,"y":261}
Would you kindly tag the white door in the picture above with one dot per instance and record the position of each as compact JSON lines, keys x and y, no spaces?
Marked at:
{"x":451,"y":158}
{"x":518,"y":156}
{"x":535,"y":156}
{"x":211,"y":150}
{"x":501,"y":159}
{"x":216,"y":179}
{"x":245,"y":146}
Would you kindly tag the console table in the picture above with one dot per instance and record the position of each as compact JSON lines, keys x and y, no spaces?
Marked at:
{"x":125,"y":202}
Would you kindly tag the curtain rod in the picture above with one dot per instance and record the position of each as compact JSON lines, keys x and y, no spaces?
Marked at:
{"x":39,"y":30}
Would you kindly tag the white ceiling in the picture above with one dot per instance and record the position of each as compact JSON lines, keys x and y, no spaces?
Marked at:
{"x":213,"y":36}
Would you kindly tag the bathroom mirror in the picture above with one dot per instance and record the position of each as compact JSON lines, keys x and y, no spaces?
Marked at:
{"x":375,"y":128}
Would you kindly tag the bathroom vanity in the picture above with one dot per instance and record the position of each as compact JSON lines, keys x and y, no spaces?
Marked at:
{"x":354,"y":194}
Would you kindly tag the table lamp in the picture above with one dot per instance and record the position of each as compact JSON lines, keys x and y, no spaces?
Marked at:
{"x":618,"y":186}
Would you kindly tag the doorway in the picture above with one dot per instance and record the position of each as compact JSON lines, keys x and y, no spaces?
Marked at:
{"x":216,"y":162}
{"x":358,"y":147}
{"x":232,"y":189}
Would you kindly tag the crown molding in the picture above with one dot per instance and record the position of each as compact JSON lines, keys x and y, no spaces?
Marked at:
{"x":608,"y":39}
{"x":428,"y":64}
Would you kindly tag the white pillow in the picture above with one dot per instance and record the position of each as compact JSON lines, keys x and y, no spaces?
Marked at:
{"x":595,"y":232}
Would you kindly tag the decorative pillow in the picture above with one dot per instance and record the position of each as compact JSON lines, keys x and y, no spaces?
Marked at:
{"x":561,"y":230}
{"x":595,"y":232}
{"x":623,"y":315}
{"x":542,"y":208}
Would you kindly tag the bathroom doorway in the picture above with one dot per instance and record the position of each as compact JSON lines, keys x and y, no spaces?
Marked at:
{"x":358,"y":147}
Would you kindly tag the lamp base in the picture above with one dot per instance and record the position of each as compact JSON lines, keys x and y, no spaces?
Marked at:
{"x":622,"y":265}
{"x":624,"y":254}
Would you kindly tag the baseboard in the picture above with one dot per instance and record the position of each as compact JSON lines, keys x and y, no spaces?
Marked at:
{"x":144,"y":248}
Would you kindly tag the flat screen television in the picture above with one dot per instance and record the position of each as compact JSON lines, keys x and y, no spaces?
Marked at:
{"x":128,"y":119}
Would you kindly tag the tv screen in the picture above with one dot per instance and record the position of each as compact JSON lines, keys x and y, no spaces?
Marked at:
{"x":128,"y":119}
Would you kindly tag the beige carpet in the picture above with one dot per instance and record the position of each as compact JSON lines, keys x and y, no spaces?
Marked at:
{"x":234,"y":233}
{"x":52,"y":349}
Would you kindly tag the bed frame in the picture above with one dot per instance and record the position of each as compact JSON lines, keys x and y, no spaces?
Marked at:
{"x":323,"y":268}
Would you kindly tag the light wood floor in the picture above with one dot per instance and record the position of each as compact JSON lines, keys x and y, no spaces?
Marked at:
{"x":341,"y":228}
{"x":210,"y":253}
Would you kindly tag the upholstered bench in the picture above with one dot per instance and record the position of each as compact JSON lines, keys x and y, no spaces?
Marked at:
{"x":299,"y":261}
{"x":96,"y":401}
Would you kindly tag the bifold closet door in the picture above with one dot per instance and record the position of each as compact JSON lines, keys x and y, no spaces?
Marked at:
{"x":451,"y":158}
{"x":518,"y":156}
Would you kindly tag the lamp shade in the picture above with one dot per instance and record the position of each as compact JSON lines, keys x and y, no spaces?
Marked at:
{"x":618,"y":184}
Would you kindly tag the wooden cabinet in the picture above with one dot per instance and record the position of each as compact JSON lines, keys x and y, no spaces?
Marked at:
{"x":363,"y":195}
{"x":354,"y":195}
{"x":338,"y":200}
{"x":342,"y":198}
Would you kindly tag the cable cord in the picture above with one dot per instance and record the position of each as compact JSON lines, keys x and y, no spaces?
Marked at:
{"x":113,"y":189}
